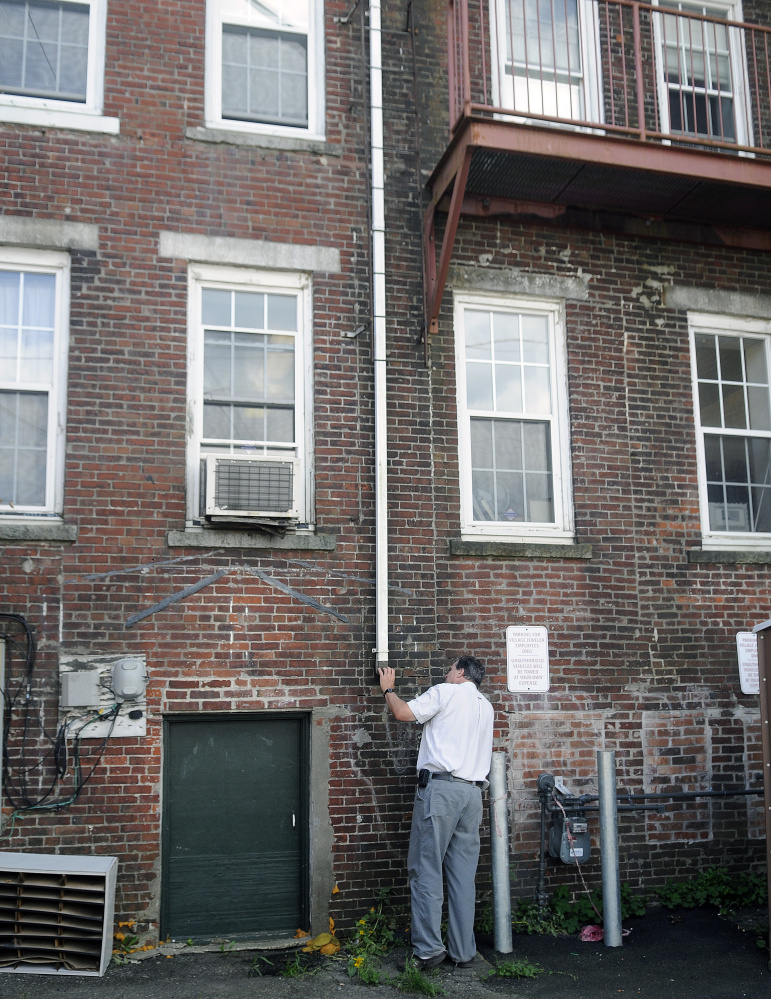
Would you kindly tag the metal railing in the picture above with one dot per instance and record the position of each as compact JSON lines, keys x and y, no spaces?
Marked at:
{"x":651,"y":72}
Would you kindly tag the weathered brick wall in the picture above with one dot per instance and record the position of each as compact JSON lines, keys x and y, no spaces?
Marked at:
{"x":642,"y":653}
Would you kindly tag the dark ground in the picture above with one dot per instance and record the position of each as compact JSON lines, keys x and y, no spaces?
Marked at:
{"x":691,"y":954}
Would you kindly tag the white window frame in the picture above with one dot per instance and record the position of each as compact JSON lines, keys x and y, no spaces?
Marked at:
{"x":58,"y":264}
{"x":731,"y":10}
{"x":243,"y":279}
{"x":84,"y":116}
{"x":709,"y":323}
{"x":215,"y":20}
{"x":560,"y":531}
{"x":503,"y":82}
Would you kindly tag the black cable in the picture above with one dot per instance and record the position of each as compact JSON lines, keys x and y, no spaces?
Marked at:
{"x":21,"y":645}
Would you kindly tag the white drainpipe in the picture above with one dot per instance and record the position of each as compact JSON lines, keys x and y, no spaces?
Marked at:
{"x":379,"y":334}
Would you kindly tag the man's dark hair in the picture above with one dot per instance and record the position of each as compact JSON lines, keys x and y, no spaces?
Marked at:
{"x":472,"y":668}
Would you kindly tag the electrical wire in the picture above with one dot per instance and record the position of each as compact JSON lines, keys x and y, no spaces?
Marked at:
{"x":20,"y":707}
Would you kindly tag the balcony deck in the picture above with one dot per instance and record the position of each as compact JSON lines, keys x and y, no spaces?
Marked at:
{"x":610,"y":134}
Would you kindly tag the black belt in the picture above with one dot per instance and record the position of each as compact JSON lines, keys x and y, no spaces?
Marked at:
{"x":443,"y":776}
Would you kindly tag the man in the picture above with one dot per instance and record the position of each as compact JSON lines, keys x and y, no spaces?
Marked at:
{"x":453,"y":764}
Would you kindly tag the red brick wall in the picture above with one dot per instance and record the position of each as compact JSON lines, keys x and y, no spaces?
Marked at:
{"x":642,"y":642}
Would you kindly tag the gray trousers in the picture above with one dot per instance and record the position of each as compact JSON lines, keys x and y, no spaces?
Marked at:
{"x":445,"y":834}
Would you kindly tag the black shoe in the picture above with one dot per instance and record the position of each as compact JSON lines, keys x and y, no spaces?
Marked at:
{"x":424,"y":963}
{"x":464,"y":964}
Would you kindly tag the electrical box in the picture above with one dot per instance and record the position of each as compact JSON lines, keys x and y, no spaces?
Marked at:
{"x":80,"y":689}
{"x":569,"y":837}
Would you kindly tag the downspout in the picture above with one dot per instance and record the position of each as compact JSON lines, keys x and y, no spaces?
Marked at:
{"x":379,"y":334}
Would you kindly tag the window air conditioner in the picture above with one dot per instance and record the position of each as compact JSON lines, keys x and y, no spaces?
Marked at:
{"x":256,"y":488}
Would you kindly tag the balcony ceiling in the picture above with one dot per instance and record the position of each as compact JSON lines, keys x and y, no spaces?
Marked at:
{"x":527,"y":163}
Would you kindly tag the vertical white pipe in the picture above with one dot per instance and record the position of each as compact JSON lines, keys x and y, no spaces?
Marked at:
{"x":499,"y":845}
{"x":379,"y":333}
{"x":611,"y":886}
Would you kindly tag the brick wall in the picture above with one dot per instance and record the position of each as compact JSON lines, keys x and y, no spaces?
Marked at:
{"x":641,"y":641}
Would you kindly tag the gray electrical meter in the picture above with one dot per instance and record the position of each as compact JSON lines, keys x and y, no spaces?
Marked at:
{"x":569,"y":837}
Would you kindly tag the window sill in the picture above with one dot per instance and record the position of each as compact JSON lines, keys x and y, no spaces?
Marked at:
{"x":262,"y":140}
{"x":34,"y":530}
{"x":515,"y":549}
{"x":82,"y":121}
{"x":197,"y":538}
{"x":726,"y":556}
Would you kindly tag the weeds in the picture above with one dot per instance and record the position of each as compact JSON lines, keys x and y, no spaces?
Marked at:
{"x":374,"y":935}
{"x":565,"y":915}
{"x":516,"y":969}
{"x":715,"y":886}
{"x":260,"y":966}
{"x":412,"y":979}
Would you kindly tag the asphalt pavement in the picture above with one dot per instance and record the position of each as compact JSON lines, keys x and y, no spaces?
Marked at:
{"x":688,"y":954}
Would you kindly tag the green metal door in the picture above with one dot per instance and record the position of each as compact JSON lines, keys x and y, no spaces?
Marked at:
{"x":235,"y":827}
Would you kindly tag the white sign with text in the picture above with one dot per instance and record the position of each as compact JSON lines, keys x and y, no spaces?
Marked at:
{"x":747,"y":650}
{"x":527,"y":658}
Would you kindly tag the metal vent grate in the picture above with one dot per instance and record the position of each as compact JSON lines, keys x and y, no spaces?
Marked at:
{"x":243,"y":486}
{"x":56,"y":913}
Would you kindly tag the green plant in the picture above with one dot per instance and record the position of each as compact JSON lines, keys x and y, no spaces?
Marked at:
{"x":260,"y":965}
{"x":715,"y":886}
{"x":566,"y":915}
{"x":226,"y":946}
{"x":412,"y":979}
{"x":302,"y":964}
{"x":374,"y":935}
{"x":516,"y":969}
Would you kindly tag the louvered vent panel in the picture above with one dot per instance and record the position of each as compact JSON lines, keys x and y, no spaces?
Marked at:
{"x":254,"y":487}
{"x":56,"y":913}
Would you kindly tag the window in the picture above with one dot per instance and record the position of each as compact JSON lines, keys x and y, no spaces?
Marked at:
{"x":701,"y":72}
{"x":249,"y":382}
{"x":512,"y":411}
{"x":732,"y":399}
{"x":544,"y":49}
{"x":52,"y":63}
{"x":265,"y":65}
{"x":34,"y":295}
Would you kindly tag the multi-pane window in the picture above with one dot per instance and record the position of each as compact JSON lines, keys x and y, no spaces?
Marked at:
{"x":249,"y":344}
{"x":697,"y":62}
{"x":249,"y":384}
{"x":543,"y":56}
{"x":512,"y":412}
{"x":733,"y":408}
{"x":265,"y":64}
{"x":32,"y":384}
{"x":44,"y":49}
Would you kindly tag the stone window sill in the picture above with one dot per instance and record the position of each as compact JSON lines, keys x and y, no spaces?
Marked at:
{"x":192,"y":538}
{"x":34,"y":530}
{"x":261,"y":140}
{"x":510,"y":549}
{"x":725,"y":556}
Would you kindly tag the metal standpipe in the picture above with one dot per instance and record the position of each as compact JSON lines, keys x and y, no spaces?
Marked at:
{"x":499,"y":844}
{"x":611,"y":885}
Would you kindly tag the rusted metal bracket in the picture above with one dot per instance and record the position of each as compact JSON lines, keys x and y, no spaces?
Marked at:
{"x":435,"y":274}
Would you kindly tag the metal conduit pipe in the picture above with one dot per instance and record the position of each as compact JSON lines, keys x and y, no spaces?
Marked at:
{"x":379,"y":333}
{"x":499,"y":846}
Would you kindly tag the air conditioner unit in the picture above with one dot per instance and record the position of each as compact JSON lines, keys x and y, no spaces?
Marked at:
{"x":255,"y":487}
{"x":56,"y":913}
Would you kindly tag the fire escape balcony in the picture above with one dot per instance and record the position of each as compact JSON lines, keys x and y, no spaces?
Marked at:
{"x":656,"y":113}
